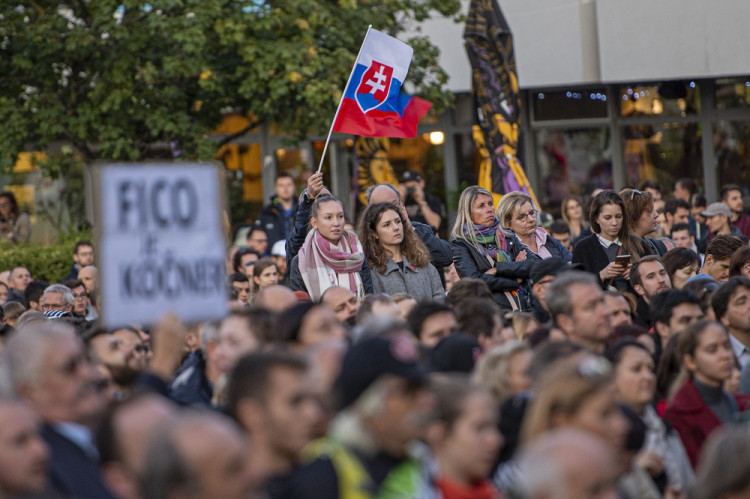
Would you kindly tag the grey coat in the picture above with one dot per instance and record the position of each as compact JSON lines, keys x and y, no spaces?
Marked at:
{"x":423,"y":283}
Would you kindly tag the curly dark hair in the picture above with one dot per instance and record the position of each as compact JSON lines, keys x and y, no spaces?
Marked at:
{"x":411,"y":246}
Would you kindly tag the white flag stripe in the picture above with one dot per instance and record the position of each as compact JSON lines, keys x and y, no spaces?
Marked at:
{"x":386,"y":50}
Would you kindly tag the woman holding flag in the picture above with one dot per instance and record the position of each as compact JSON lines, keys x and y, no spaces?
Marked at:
{"x":482,"y":249}
{"x":331,"y":255}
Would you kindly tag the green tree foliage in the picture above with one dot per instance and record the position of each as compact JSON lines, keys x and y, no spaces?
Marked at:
{"x":129,"y":80}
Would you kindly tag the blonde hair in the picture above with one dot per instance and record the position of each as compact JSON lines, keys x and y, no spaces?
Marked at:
{"x":463,"y":215}
{"x":563,"y":389}
{"x":509,"y":203}
{"x":493,"y":368}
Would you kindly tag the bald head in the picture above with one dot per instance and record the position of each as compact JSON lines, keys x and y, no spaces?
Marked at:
{"x":342,"y":301}
{"x":546,"y":469}
{"x":276,"y":298}
{"x":387,"y":193}
{"x":88,"y":276}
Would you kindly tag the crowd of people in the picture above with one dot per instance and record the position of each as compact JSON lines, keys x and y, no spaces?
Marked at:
{"x":602,"y":353}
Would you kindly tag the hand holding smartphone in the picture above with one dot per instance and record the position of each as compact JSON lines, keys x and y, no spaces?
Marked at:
{"x":622,"y":260}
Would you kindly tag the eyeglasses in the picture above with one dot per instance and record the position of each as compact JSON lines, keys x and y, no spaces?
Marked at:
{"x":523,"y":216}
{"x":79,"y":296}
{"x":634,"y":192}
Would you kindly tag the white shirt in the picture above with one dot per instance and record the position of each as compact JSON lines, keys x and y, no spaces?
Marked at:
{"x":606,"y":242}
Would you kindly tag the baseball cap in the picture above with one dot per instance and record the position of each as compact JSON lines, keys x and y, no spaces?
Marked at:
{"x":551,"y":266}
{"x":457,"y":352}
{"x":411,"y":175}
{"x":279,"y":248}
{"x":371,"y":358}
{"x":717,"y":209}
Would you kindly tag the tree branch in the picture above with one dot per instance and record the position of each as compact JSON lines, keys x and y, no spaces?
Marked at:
{"x":230,"y":138}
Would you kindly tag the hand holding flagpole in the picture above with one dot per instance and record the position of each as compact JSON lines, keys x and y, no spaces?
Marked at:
{"x":373,"y":104}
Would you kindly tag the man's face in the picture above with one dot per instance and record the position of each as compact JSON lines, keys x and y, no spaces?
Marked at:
{"x":343,"y":303}
{"x":683,"y":239}
{"x":737,"y":317}
{"x":619,"y":310}
{"x":284,"y":188}
{"x":436,"y":327}
{"x":23,"y":453}
{"x":67,"y":388}
{"x":280,"y":262}
{"x":589,"y":320}
{"x":54,"y":301}
{"x":681,"y":193}
{"x":654,"y":279}
{"x":564,"y":238}
{"x":258,"y":241}
{"x":20,"y":278}
{"x":242,"y":288}
{"x":88,"y":276}
{"x":115,"y":356}
{"x":290,"y":412}
{"x":680,"y":216}
{"x":248,"y":264}
{"x":84,"y":256}
{"x":683,"y":315}
{"x":540,"y":289}
{"x":80,"y":300}
{"x":132,"y":341}
{"x":734,"y":201}
{"x":718,"y":269}
{"x":716,"y":223}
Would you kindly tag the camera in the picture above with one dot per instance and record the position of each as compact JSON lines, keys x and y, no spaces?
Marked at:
{"x":410,"y":192}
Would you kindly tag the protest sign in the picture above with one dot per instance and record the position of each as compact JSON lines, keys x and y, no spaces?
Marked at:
{"x":160,"y":242}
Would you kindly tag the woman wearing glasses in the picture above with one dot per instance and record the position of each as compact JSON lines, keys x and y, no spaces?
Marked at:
{"x":643,"y":218}
{"x":610,"y":250}
{"x":399,"y":261}
{"x":482,"y":249}
{"x":517,"y":212}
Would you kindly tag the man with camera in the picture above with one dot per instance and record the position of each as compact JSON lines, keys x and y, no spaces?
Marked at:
{"x":420,"y":206}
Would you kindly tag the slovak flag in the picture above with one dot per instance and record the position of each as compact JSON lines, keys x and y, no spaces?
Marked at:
{"x":373,"y":104}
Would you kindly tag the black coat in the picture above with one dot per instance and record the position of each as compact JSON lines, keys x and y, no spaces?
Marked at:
{"x":591,"y":255}
{"x":471,"y":263}
{"x":271,"y":219}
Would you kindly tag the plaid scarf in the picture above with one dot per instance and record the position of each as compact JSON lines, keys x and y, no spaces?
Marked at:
{"x":323,"y":264}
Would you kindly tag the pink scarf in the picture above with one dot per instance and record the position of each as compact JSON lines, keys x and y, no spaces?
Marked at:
{"x":323,"y":264}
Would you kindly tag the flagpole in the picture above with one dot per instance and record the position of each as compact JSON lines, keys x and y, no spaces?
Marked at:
{"x":330,"y":130}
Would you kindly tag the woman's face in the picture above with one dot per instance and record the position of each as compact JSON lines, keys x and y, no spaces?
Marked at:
{"x":482,"y":211}
{"x":470,"y":447}
{"x":5,"y":207}
{"x":389,"y":230}
{"x":320,"y":324}
{"x":647,"y":223}
{"x":268,"y":277}
{"x":681,"y":276}
{"x":574,"y":210}
{"x":235,"y":340}
{"x":329,"y":220}
{"x":635,"y":379}
{"x":600,"y":415}
{"x":523,"y":221}
{"x":518,"y":371}
{"x":713,"y":359}
{"x":610,"y":221}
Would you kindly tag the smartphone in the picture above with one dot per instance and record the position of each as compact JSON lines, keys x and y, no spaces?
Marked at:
{"x":622,"y":260}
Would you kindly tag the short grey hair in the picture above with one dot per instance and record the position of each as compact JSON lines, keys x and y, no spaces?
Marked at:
{"x":22,"y":359}
{"x":559,"y":300}
{"x":66,"y":292}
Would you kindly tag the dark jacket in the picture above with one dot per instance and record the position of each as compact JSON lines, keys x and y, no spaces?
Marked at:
{"x":590,"y":254}
{"x":298,"y":284}
{"x":693,"y":419}
{"x":557,"y":249}
{"x":190,"y":385}
{"x":73,"y":275}
{"x":72,"y":472}
{"x":471,"y":263}
{"x":440,"y":249}
{"x":273,"y":221}
{"x":657,"y":247}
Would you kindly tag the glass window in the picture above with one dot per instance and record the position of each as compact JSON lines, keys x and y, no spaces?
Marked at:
{"x":732,"y":93}
{"x":673,"y":98}
{"x":572,"y":162}
{"x":732,"y":152}
{"x":663,"y":153}
{"x":570,"y":104}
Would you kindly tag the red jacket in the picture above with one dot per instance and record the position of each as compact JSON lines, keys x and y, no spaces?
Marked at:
{"x":693,"y":419}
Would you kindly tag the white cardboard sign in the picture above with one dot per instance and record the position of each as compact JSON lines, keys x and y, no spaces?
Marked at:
{"x":160,"y":241}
